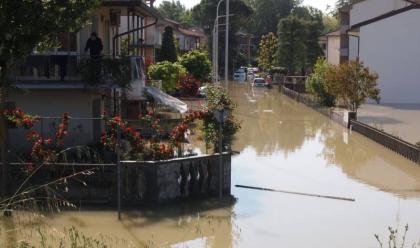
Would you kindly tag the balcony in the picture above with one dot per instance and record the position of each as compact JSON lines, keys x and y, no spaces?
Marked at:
{"x":76,"y":68}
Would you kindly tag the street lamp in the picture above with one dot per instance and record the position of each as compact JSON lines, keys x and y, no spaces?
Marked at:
{"x":227,"y":45}
{"x":220,"y":116}
{"x":216,"y":43}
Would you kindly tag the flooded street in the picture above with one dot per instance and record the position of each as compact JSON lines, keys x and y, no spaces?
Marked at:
{"x":287,"y":146}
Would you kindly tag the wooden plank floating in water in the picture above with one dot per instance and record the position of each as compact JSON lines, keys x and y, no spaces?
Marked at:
{"x":297,"y":193}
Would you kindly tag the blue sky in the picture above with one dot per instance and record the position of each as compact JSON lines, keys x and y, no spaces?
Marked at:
{"x":320,"y":4}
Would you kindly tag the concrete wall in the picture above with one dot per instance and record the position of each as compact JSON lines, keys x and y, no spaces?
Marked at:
{"x":53,"y":103}
{"x":333,"y":50}
{"x":391,"y":47}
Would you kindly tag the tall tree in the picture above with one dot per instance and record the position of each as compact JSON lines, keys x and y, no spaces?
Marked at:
{"x":176,"y":11}
{"x":291,"y":42}
{"x":298,"y":36}
{"x":168,"y":51}
{"x":268,"y":12}
{"x":24,"y":26}
{"x":268,"y":52}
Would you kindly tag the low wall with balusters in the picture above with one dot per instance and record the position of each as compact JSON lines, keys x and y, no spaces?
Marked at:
{"x":142,"y":183}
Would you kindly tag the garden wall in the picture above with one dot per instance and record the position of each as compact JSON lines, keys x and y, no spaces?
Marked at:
{"x":143,"y":183}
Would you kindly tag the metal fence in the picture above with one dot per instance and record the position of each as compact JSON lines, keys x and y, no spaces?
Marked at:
{"x":393,"y":143}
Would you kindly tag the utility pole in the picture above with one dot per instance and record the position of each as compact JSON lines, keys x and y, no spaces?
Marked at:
{"x":227,"y":45}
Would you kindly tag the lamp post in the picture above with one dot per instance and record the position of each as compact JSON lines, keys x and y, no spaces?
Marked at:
{"x":220,"y":116}
{"x":216,"y":43}
{"x":227,"y":45}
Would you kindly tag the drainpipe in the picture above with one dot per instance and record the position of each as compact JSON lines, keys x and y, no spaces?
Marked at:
{"x":114,"y":53}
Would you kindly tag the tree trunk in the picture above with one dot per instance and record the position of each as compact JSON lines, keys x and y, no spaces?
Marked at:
{"x":4,"y":138}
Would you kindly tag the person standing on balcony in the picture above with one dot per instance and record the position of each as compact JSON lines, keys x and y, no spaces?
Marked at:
{"x":94,"y":45}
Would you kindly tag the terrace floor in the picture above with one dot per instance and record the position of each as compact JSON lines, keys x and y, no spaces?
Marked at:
{"x":402,"y":120}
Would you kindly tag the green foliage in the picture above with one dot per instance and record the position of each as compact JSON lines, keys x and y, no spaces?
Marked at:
{"x":176,"y":11}
{"x":219,"y":99}
{"x":168,"y":51}
{"x":267,"y":14}
{"x":330,"y":23}
{"x":352,"y":84}
{"x":268,"y":52}
{"x":298,"y":38}
{"x":169,"y":73}
{"x":316,"y":84}
{"x":197,"y":64}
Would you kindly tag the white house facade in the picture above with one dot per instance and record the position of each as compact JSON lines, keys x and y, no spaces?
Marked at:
{"x":384,"y":35}
{"x":391,"y":47}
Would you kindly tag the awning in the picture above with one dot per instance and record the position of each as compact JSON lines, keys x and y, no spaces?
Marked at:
{"x":167,"y":100}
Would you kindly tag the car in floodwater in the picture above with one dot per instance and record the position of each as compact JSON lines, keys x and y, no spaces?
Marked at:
{"x":240,"y":74}
{"x":259,"y":82}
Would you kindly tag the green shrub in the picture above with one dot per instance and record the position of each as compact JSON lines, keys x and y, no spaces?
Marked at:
{"x":219,"y":99}
{"x":197,"y":63}
{"x":352,"y":83}
{"x":170,"y":73}
{"x":316,"y":84}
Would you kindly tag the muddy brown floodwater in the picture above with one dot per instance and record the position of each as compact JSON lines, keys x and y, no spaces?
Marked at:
{"x":283,"y":145}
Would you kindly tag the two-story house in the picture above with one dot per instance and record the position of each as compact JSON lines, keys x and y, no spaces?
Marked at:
{"x":187,"y":38}
{"x":66,"y":79}
{"x":383,"y":35}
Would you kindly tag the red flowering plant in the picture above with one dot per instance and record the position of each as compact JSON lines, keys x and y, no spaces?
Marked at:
{"x":178,"y":133}
{"x":152,"y":125}
{"x":43,"y":149}
{"x":189,"y":86}
{"x":19,"y":118}
{"x":110,"y":137}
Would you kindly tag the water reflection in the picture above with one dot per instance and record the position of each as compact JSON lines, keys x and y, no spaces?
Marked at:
{"x":271,"y":123}
{"x":366,"y":161}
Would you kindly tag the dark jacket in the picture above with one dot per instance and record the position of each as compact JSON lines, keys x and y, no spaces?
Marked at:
{"x":94,"y":46}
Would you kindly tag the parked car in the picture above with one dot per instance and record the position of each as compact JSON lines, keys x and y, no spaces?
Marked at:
{"x":202,"y":91}
{"x":259,"y":82}
{"x":240,"y":74}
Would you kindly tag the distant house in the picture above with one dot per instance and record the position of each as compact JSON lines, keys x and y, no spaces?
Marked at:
{"x":330,"y":42}
{"x":57,"y":81}
{"x":383,"y":35}
{"x":187,"y":38}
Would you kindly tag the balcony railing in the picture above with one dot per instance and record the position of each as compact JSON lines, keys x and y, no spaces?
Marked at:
{"x":77,"y":68}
